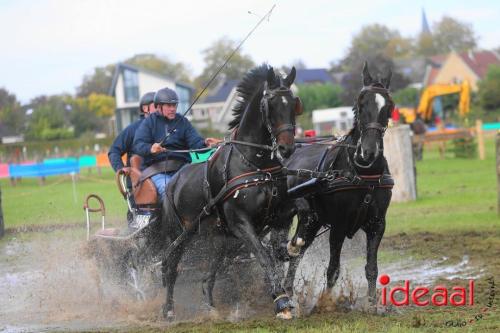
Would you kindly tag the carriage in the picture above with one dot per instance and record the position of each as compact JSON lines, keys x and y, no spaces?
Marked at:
{"x":350,"y":178}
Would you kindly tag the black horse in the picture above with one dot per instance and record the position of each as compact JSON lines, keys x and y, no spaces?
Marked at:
{"x":236,"y":191}
{"x":352,"y":188}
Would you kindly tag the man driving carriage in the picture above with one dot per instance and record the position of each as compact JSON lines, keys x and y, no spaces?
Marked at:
{"x":160,"y":135}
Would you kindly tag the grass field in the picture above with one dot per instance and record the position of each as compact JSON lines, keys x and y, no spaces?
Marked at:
{"x":455,"y":215}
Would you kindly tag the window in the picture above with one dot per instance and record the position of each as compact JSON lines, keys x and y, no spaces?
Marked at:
{"x":184,"y":98}
{"x":131,"y":85}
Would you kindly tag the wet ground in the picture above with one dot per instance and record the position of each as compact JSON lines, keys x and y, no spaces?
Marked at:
{"x":48,"y":283}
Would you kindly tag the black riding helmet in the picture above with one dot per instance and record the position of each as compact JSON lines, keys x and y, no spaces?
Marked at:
{"x":146,"y":99}
{"x":166,"y":96}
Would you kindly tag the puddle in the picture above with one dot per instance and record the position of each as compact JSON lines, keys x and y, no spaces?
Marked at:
{"x":310,"y":280}
{"x":47,"y":284}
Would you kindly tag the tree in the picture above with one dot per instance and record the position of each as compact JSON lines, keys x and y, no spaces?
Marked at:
{"x":98,"y":82}
{"x":215,"y":55}
{"x":489,"y":89}
{"x":90,"y":114}
{"x":378,"y":45}
{"x":50,"y":119}
{"x":177,"y":71}
{"x":11,"y":113}
{"x":450,"y":34}
{"x":379,"y":66}
{"x":317,"y":96}
{"x":375,"y":40}
{"x":407,"y":97}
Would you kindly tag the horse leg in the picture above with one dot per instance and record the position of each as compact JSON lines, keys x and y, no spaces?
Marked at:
{"x":243,"y":229}
{"x":374,"y":233}
{"x":170,"y":276}
{"x":305,"y":217}
{"x":309,"y":235}
{"x":216,"y":261}
{"x":333,"y":271}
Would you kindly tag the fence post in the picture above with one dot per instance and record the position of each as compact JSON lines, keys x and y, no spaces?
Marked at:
{"x":2,"y":225}
{"x":498,"y":171}
{"x":480,"y":139}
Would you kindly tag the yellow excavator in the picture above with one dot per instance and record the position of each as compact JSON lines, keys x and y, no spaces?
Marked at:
{"x":430,"y":92}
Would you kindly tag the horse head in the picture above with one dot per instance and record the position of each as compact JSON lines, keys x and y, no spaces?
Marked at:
{"x":373,"y":109}
{"x":279,"y":108}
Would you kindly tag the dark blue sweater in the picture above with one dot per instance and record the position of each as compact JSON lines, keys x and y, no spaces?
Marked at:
{"x":123,"y":145}
{"x":153,"y":130}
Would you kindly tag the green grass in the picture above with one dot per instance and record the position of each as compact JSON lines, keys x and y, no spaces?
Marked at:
{"x":29,"y":203}
{"x":453,"y":194}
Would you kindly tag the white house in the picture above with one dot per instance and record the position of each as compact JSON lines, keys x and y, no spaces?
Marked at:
{"x":216,"y":110}
{"x":335,"y":120}
{"x":131,"y":82}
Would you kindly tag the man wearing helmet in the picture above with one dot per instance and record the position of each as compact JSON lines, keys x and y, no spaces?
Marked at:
{"x":160,"y":135}
{"x":123,"y":142}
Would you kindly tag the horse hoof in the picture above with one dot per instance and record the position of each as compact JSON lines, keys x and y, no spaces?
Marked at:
{"x":300,"y":242}
{"x":286,"y":314}
{"x":170,"y":316}
{"x":293,"y":251}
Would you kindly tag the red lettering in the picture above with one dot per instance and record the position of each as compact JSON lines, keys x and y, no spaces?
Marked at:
{"x":460,"y":292}
{"x":405,"y":290}
{"x":471,"y":292}
{"x":440,"y":291}
{"x":417,"y":293}
{"x":384,"y":295}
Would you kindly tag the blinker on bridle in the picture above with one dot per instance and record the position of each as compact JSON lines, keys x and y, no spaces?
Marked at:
{"x":264,"y":108}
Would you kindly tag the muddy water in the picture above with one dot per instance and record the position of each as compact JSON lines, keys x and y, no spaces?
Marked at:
{"x":47,"y":283}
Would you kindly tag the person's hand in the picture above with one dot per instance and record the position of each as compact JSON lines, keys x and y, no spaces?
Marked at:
{"x":157,"y":148}
{"x":209,"y":142}
{"x":125,"y":170}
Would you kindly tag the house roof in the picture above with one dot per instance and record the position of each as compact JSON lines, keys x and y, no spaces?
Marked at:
{"x":121,"y":66}
{"x":222,"y":93}
{"x":479,"y":61}
{"x":313,"y":75}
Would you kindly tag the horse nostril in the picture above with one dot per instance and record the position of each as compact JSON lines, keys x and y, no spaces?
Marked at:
{"x":284,"y":151}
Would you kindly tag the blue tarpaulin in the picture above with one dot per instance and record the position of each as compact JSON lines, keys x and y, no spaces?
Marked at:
{"x":44,"y":169}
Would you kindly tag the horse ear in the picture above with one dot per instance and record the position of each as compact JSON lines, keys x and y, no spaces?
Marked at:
{"x":271,"y":77}
{"x":291,"y":77}
{"x":387,"y":80}
{"x":367,"y":78}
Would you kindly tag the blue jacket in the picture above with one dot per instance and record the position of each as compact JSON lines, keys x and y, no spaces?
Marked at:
{"x":153,"y":130}
{"x":123,"y":145}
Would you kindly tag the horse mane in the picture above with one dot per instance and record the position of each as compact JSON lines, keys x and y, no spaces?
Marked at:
{"x":245,"y":90}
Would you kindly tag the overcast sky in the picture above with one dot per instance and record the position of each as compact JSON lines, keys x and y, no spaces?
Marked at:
{"x":48,"y":45}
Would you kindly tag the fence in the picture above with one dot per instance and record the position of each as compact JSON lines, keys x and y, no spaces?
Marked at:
{"x":440,"y":136}
{"x":53,"y":166}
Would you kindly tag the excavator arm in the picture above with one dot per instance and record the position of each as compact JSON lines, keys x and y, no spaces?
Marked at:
{"x":432,"y":91}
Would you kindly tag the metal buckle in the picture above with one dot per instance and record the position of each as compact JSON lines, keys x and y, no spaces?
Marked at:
{"x":274,"y":191}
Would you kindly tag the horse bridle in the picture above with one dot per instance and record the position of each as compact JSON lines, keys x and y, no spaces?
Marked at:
{"x":264,"y":109}
{"x":379,"y":89}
